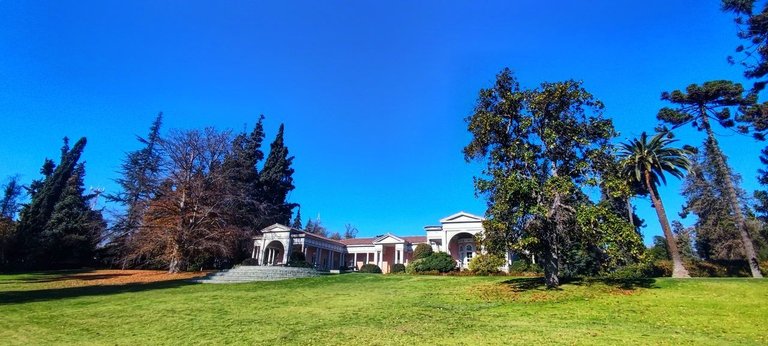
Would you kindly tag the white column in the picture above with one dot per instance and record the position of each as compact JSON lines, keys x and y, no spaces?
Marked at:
{"x":286,"y":251}
{"x":330,"y":259}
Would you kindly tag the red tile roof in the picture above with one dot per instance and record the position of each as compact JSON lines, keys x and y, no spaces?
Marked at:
{"x":369,"y":241}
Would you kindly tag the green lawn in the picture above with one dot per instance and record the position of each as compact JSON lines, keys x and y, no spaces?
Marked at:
{"x":385,"y":310}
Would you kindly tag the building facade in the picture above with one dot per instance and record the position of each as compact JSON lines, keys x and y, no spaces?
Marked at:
{"x":454,"y":235}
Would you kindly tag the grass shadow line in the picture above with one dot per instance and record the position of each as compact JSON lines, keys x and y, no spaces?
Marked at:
{"x":20,"y":297}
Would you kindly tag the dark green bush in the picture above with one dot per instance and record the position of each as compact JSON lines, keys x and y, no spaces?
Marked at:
{"x":398,"y":268}
{"x":370,"y":268}
{"x":523,"y":267}
{"x":422,"y":251}
{"x":298,"y":259}
{"x":250,"y":262}
{"x":660,"y":268}
{"x":486,"y":264}
{"x":631,"y":272}
{"x":437,"y":261}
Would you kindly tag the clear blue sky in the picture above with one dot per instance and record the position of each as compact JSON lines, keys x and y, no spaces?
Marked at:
{"x":373,"y":95}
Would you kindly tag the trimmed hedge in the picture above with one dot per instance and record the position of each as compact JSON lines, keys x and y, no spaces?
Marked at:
{"x":422,"y":251}
{"x":522,"y":267}
{"x":436,"y":262}
{"x":398,"y":268}
{"x":486,"y":264}
{"x":370,"y":268}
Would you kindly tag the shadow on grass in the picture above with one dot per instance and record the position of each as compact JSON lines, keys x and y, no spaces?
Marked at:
{"x":20,"y":297}
{"x":54,"y":276}
{"x":537,"y":283}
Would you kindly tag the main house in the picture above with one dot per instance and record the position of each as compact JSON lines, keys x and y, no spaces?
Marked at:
{"x":455,"y":235}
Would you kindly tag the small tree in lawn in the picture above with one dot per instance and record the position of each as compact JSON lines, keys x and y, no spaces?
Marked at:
{"x":646,"y":162}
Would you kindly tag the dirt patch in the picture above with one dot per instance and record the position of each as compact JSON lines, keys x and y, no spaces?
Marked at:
{"x":113,"y":277}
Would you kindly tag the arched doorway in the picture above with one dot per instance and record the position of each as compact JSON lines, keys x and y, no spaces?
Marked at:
{"x":462,"y":248}
{"x":273,"y":253}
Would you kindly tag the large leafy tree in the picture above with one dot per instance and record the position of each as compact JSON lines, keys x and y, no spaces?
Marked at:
{"x":647,"y":161}
{"x":276,"y":180}
{"x":699,"y":106}
{"x":187,"y":223}
{"x":540,"y":147}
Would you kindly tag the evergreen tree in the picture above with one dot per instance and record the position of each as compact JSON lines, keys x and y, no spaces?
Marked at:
{"x":717,"y":236}
{"x":699,"y":105}
{"x":74,"y":229}
{"x":8,"y":208}
{"x":9,"y":205}
{"x":276,"y":180}
{"x":297,"y":219}
{"x":647,"y":162}
{"x":34,"y":216}
{"x":242,"y":175}
{"x":139,"y":180}
{"x":540,"y":148}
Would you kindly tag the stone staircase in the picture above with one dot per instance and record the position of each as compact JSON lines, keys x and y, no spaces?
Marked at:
{"x":257,"y":273}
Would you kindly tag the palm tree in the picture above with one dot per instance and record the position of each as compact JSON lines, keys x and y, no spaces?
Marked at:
{"x":646,"y":162}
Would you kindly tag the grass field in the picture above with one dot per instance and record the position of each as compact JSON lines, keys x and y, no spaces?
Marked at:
{"x":47,"y":308}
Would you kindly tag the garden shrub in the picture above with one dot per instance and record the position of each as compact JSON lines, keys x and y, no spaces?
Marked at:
{"x":437,"y":261}
{"x":250,"y":262}
{"x":422,"y":251}
{"x":634,"y":271}
{"x":398,"y":268}
{"x":370,"y":268}
{"x":523,"y":267}
{"x":486,"y":264}
{"x":298,"y":259}
{"x":660,"y":268}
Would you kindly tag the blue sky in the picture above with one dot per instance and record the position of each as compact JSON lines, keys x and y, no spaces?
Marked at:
{"x":373,"y":95}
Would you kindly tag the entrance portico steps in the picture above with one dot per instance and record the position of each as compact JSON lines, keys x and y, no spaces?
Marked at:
{"x":257,"y":273}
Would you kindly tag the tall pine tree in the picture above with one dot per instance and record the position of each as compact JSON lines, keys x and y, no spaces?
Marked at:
{"x":699,"y":106}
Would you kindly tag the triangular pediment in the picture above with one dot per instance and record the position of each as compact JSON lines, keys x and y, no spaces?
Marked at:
{"x":462,"y":217}
{"x":276,"y":228}
{"x":388,"y":239}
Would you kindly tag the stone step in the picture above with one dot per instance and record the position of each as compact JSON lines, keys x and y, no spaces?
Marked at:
{"x":257,"y":273}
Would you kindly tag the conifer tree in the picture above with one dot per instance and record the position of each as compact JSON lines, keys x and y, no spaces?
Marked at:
{"x":297,"y":219}
{"x":716,"y":234}
{"x":241,"y":171}
{"x":9,"y":204}
{"x":74,"y":229}
{"x":35,"y":216}
{"x":276,"y":180}
{"x":699,"y":106}
{"x":139,"y":181}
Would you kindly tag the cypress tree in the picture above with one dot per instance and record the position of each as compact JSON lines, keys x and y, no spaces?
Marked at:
{"x":71,"y":235}
{"x":297,"y":220}
{"x":277,"y":182}
{"x":241,"y":170}
{"x":35,"y":215}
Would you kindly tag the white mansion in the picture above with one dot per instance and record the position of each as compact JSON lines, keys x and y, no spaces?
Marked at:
{"x":454,"y":235}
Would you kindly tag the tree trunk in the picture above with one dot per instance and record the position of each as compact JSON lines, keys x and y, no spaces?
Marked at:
{"x":551,"y":268}
{"x":733,"y":200}
{"x":678,"y":269}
